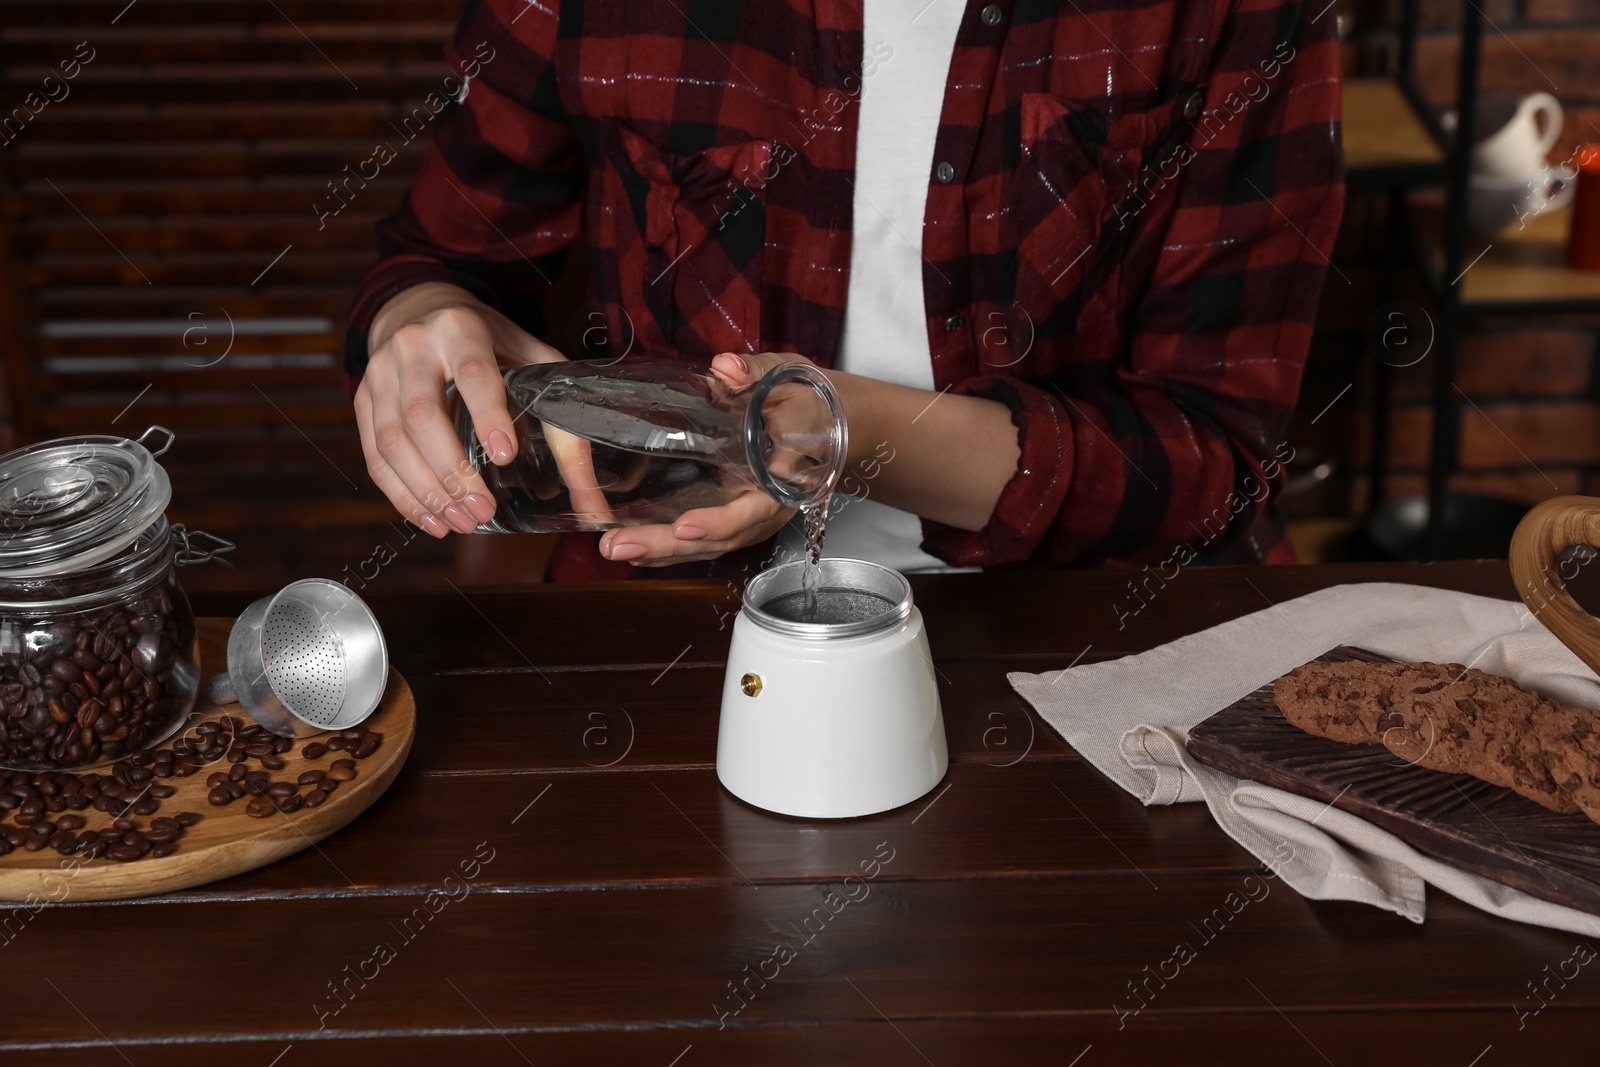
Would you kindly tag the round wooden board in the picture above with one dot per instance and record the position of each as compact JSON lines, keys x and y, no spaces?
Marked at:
{"x":226,"y":841}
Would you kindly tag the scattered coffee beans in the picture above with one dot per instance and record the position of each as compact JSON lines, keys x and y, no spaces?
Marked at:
{"x":43,"y":804}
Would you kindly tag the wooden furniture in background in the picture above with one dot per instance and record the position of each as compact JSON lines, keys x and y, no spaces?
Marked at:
{"x":167,"y":263}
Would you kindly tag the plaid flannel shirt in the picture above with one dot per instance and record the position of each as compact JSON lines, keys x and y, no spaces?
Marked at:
{"x":1124,"y":241}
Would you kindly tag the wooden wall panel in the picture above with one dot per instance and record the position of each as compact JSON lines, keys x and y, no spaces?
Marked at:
{"x":162,"y":212}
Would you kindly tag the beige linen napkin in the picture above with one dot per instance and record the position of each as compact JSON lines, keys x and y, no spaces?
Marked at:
{"x":1129,"y":717}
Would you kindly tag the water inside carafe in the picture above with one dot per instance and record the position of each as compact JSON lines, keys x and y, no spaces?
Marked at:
{"x":630,"y":452}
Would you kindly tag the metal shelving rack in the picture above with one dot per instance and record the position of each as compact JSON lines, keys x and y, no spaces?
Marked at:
{"x":1394,"y":142}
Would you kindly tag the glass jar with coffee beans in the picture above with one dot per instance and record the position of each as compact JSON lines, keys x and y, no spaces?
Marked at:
{"x":98,"y":657}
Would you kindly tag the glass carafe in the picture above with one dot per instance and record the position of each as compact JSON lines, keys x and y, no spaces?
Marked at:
{"x":604,"y":444}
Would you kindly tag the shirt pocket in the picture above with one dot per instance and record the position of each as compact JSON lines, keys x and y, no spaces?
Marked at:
{"x":699,"y":219}
{"x":1084,"y":185}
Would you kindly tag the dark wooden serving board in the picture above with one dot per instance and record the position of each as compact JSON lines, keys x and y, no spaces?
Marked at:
{"x":1467,"y":822}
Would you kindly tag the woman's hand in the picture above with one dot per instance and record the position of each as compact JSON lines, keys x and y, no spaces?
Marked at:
{"x":706,"y":533}
{"x":421,"y":340}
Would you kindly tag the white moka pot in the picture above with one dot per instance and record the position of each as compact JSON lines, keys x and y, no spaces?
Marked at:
{"x":830,"y":721}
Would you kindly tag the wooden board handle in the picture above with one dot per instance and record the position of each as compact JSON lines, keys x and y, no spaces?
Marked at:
{"x":1536,"y":566}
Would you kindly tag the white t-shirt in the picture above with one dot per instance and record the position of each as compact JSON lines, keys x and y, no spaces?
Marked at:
{"x":885,"y":323}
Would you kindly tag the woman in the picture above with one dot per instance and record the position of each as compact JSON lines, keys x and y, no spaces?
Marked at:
{"x":1061,"y":266}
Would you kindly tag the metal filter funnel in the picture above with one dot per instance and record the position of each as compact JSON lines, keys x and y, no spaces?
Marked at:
{"x":309,"y":659}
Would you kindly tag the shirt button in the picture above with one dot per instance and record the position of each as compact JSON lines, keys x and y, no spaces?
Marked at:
{"x":946,"y":172}
{"x":953,"y":323}
{"x":992,"y":15}
{"x":1193,"y":106}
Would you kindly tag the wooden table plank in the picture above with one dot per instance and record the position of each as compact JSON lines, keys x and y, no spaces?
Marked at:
{"x":1013,"y":923}
{"x":1555,"y":1037}
{"x":651,"y":957}
{"x":1047,"y":616}
{"x":634,"y":719}
{"x":681,"y":828}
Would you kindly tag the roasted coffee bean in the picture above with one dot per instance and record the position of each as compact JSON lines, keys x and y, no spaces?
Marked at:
{"x":70,"y":822}
{"x":272,"y":762}
{"x":291,"y":803}
{"x":123,"y":853}
{"x":335,"y":744}
{"x":235,"y":789}
{"x":35,"y":842}
{"x":314,"y":750}
{"x":282,"y":789}
{"x":312,"y":777}
{"x":124,"y":825}
{"x":93,"y":688}
{"x":258,"y":777}
{"x":161,"y":792}
{"x":220,"y":796}
{"x":161,"y":837}
{"x":164,"y":850}
{"x":354,"y":733}
{"x":260,"y":807}
{"x":215,"y":779}
{"x":263,"y":748}
{"x":339,"y":774}
{"x":367,"y":748}
{"x":147,"y":806}
{"x":236,"y":773}
{"x":187,"y":818}
{"x":315,"y":798}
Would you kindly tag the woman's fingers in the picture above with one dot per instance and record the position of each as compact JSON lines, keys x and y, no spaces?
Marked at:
{"x":483,"y":390}
{"x":704,"y":533}
{"x":727,"y":521}
{"x":408,"y":435}
{"x":433,"y":433}
{"x":575,"y":459}
{"x":384,"y":477}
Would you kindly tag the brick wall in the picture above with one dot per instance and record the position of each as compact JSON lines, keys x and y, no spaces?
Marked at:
{"x":1532,"y":427}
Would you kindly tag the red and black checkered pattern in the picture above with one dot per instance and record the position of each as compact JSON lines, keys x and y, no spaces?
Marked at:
{"x":1124,"y":241}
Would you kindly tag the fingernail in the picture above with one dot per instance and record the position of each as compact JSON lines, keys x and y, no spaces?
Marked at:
{"x":482,"y":507}
{"x":624,"y":552}
{"x":689,"y":533}
{"x":744,"y":368}
{"x":499,"y":447}
{"x":459,"y":520}
{"x":433,"y":525}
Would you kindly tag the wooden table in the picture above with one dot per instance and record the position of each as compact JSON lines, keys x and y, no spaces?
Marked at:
{"x":621,"y":903}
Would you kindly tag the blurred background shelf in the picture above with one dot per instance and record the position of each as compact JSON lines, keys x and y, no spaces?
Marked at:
{"x":1391,"y":137}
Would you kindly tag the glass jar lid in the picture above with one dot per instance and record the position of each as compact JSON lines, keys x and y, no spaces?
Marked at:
{"x":74,"y":502}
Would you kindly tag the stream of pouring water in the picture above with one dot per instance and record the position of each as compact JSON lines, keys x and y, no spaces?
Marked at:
{"x":816,"y":517}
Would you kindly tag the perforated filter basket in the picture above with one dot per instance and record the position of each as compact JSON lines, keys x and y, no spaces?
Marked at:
{"x":309,"y":659}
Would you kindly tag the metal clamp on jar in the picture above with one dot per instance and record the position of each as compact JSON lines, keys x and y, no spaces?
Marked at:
{"x":98,"y":655}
